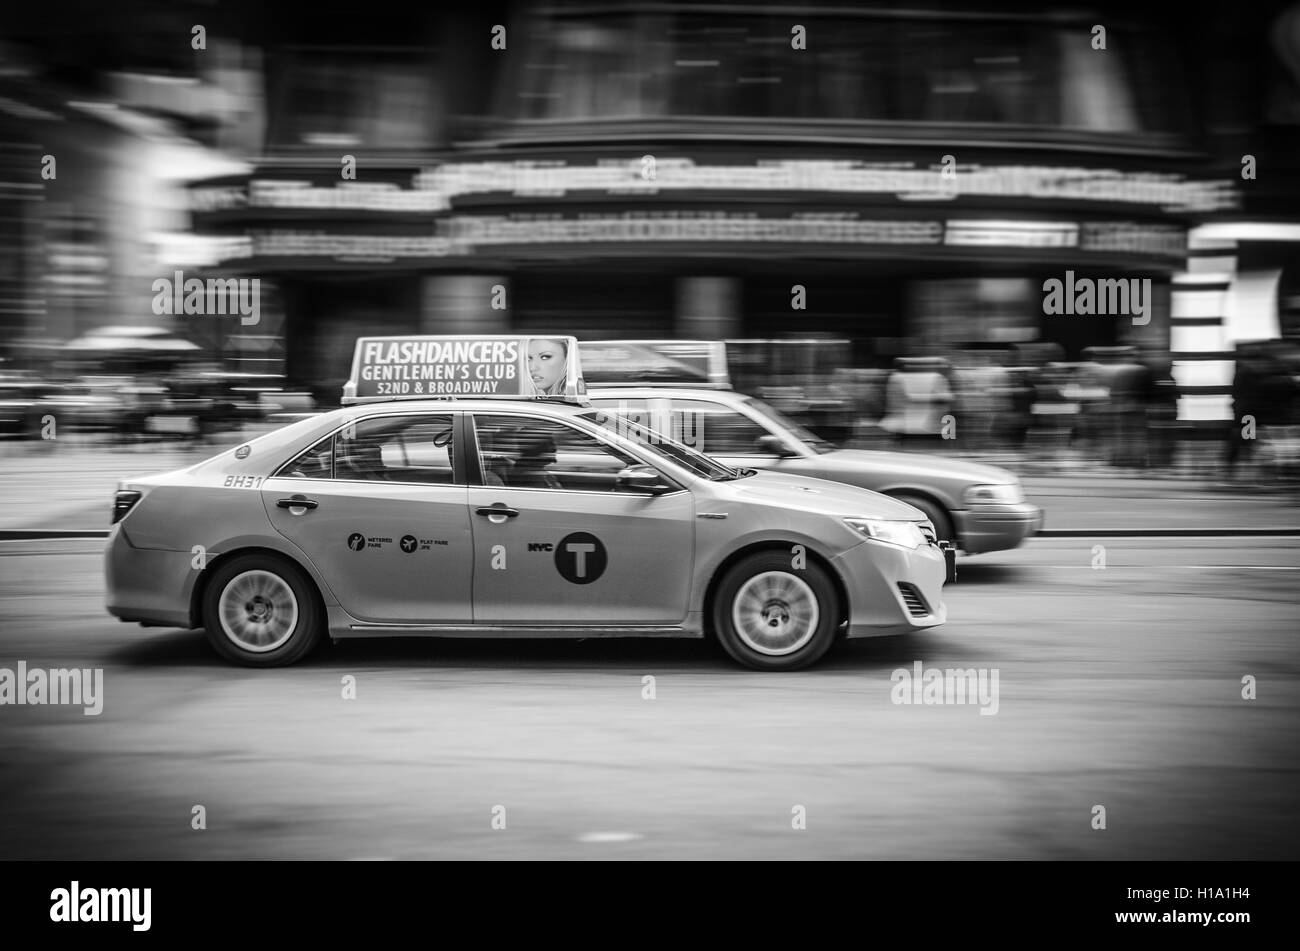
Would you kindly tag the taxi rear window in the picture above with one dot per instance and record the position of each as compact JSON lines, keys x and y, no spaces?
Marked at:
{"x":316,"y":463}
{"x":406,"y":449}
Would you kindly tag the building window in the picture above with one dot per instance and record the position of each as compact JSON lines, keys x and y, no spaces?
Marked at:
{"x":685,"y":63}
{"x":370,"y":98}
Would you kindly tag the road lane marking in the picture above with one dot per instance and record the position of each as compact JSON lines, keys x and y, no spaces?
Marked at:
{"x":1133,"y":565}
{"x":594,"y":837}
{"x":1246,"y":567}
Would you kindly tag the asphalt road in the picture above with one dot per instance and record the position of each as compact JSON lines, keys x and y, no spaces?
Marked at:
{"x":1119,"y":687}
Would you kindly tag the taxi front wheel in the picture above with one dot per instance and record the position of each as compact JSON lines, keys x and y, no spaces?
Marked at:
{"x":770,"y":615}
{"x":261,"y":611}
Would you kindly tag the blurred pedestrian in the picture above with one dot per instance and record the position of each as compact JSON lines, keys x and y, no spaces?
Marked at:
{"x":1248,"y":409}
{"x":1161,"y":414}
{"x":979,"y":398}
{"x":917,"y":398}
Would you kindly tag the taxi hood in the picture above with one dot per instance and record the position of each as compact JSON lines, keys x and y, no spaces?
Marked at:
{"x":816,"y":495}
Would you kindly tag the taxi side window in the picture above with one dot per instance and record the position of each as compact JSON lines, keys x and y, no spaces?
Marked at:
{"x":405,"y":449}
{"x":315,"y":463}
{"x":529,"y":453}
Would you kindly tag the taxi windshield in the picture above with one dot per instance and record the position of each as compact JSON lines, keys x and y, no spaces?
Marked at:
{"x":664,"y":446}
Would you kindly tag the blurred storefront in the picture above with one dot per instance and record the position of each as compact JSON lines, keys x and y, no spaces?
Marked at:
{"x":1241,"y":288}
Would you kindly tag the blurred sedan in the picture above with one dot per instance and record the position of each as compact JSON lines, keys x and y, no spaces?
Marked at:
{"x":976,"y":507}
{"x":23,"y":405}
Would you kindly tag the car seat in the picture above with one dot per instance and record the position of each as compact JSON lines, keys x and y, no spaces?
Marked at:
{"x":493,"y":465}
{"x":364,"y":461}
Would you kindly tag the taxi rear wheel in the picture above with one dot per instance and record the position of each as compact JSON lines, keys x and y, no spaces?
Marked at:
{"x":770,"y":615}
{"x":261,"y":611}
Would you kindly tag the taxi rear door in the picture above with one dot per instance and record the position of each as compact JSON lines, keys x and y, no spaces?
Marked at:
{"x":560,"y":540}
{"x":383,"y":517}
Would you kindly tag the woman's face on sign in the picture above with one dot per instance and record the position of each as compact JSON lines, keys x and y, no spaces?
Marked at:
{"x":546,"y":360}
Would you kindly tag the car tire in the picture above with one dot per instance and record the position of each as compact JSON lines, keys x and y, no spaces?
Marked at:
{"x":937,"y":515}
{"x":769,"y":615}
{"x":261,"y":611}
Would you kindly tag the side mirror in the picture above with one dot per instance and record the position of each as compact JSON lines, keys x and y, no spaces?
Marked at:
{"x":641,"y":479}
{"x":771,"y":445}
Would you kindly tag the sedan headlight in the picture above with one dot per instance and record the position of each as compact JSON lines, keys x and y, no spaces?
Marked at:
{"x":1008,"y":493}
{"x":903,"y":534}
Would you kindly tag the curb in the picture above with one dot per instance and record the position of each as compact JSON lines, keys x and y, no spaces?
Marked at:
{"x":43,"y":534}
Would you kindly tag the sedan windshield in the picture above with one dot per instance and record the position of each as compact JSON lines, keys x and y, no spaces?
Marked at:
{"x":809,"y":439}
{"x":663,"y":446}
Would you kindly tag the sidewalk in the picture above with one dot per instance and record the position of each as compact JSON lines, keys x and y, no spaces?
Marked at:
{"x":70,"y":485}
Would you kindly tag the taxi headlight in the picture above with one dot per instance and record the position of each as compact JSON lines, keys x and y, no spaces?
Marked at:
{"x":1008,"y":493}
{"x":903,"y":534}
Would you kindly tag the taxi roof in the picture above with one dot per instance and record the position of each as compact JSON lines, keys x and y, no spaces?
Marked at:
{"x":462,"y":404}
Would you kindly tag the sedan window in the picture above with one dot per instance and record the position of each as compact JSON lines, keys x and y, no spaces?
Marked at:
{"x":708,"y":427}
{"x":631,"y":419}
{"x":721,"y":430}
{"x":792,"y":430}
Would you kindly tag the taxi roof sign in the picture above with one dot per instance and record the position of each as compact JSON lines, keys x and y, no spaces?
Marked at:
{"x":698,"y":363}
{"x":479,"y":366}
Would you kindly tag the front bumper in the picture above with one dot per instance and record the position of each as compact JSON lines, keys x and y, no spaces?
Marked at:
{"x":892,"y":590}
{"x":996,"y":527}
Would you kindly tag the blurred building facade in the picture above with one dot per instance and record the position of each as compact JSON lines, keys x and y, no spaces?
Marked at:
{"x":907,"y":180}
{"x":903,"y":177}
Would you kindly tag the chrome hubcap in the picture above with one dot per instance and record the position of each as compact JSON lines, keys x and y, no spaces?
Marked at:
{"x":258,"y":611}
{"x":775,"y":613}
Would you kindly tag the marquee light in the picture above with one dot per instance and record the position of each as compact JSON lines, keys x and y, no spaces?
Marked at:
{"x":435,"y":189}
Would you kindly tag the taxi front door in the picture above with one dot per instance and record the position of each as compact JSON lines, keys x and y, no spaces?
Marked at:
{"x":557,"y":541}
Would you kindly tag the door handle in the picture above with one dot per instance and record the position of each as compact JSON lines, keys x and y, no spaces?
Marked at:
{"x":497,"y":512}
{"x":297,"y":502}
